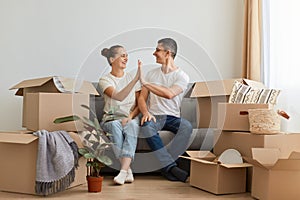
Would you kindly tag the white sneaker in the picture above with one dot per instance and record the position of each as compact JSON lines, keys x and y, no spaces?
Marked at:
{"x":129,"y":177}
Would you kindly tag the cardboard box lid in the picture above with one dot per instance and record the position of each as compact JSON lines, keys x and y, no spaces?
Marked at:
{"x":207,"y":157}
{"x":62,"y":84}
{"x":16,"y":138}
{"x":201,"y":154}
{"x":268,"y":158}
{"x":213,"y":88}
{"x":254,"y":84}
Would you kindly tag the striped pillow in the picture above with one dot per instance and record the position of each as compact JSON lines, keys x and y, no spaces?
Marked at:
{"x":242,"y":93}
{"x":266,"y":96}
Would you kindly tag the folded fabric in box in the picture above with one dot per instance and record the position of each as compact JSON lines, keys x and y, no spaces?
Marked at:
{"x":242,"y":93}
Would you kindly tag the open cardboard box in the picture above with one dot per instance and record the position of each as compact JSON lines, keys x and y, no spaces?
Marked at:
{"x":234,"y":116}
{"x":244,"y":142}
{"x":209,"y":94}
{"x":18,"y":154}
{"x":223,"y":178}
{"x":43,"y":108}
{"x":275,"y":178}
{"x":45,"y":99}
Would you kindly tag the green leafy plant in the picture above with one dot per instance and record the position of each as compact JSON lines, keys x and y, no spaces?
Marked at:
{"x":95,"y":142}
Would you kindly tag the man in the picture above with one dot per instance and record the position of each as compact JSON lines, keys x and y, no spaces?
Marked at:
{"x":165,"y":88}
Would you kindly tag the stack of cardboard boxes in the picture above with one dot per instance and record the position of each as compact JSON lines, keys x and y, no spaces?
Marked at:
{"x":44,"y":99}
{"x":268,"y":178}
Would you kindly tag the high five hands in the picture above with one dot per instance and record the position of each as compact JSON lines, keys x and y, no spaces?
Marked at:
{"x":140,"y":72}
{"x":146,"y":115}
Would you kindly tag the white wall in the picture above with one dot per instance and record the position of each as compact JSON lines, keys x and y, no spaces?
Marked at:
{"x":55,"y":37}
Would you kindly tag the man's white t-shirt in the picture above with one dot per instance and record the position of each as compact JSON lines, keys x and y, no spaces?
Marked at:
{"x":114,"y":109}
{"x":162,"y":106}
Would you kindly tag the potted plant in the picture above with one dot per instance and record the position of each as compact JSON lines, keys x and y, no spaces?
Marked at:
{"x":95,"y":145}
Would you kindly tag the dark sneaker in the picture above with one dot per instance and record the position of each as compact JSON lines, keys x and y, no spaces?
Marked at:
{"x":180,"y":174}
{"x":169,"y":176}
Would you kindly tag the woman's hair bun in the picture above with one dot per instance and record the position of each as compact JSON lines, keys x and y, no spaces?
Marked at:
{"x":105,"y":52}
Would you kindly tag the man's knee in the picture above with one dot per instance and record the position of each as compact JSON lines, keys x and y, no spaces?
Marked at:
{"x":148,"y":129}
{"x":187,"y":126}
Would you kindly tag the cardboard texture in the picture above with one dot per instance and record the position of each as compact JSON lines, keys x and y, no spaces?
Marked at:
{"x":244,"y":142}
{"x":47,"y":84}
{"x":208,"y":95}
{"x":43,"y":108}
{"x":234,"y":117}
{"x":18,"y":153}
{"x":52,"y":84}
{"x":223,"y":178}
{"x":275,"y":178}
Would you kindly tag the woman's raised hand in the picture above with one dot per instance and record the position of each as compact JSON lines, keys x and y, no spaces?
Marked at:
{"x":138,"y":72}
{"x":141,"y":75}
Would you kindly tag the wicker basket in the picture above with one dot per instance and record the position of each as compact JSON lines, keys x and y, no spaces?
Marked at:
{"x":264,"y":121}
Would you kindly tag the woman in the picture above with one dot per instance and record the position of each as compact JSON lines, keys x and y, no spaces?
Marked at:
{"x":120,"y":117}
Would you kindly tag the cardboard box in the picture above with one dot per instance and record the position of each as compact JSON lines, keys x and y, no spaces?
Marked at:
{"x":275,"y":178}
{"x":52,"y":84}
{"x":44,"y":108}
{"x":244,"y":142}
{"x":18,"y":153}
{"x":215,"y":177}
{"x":234,"y":117}
{"x":209,"y":94}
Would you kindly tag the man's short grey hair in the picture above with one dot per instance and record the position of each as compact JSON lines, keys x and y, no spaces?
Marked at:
{"x":169,"y":44}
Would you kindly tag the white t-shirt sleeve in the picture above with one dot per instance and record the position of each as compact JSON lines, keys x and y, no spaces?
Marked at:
{"x":182,"y":80}
{"x":104,"y":83}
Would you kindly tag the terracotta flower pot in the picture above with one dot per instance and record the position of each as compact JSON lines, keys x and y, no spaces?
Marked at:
{"x":94,"y":183}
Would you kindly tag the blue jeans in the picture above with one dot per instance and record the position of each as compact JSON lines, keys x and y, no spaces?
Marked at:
{"x":182,"y":130}
{"x":123,"y":137}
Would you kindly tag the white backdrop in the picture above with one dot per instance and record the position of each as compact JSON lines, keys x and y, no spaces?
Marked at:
{"x":58,"y":37}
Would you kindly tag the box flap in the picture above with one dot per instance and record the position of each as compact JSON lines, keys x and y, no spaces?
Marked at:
{"x":266,"y":156}
{"x":287,"y":164}
{"x":85,"y":87}
{"x":31,"y":83}
{"x":241,"y":165}
{"x":213,"y":88}
{"x":254,"y":84}
{"x":62,"y":84}
{"x":294,"y":155}
{"x":254,"y":162}
{"x":200,"y":160}
{"x":201,"y":154}
{"x":6,"y":137}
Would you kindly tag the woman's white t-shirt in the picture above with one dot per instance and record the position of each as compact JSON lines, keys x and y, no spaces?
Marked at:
{"x":162,"y":106}
{"x":114,"y":109}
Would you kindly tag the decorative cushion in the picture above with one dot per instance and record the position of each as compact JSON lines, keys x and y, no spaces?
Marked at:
{"x":266,"y":96}
{"x":242,"y":93}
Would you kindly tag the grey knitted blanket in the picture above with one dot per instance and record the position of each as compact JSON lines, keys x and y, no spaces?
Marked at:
{"x":56,"y":162}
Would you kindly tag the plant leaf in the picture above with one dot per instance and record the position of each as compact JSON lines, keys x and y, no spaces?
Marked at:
{"x":88,"y":108}
{"x":83,"y":151}
{"x":66,"y":119}
{"x":89,"y":155}
{"x":97,"y":125}
{"x":89,"y":122}
{"x":104,"y":159}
